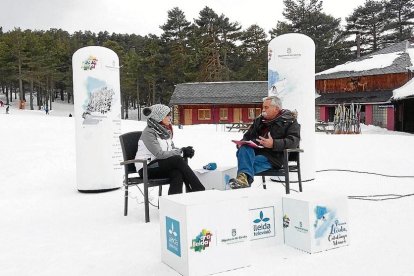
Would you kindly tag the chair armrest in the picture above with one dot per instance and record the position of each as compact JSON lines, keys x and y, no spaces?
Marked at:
{"x":286,"y":153}
{"x":294,"y":150}
{"x":144,"y":168}
{"x":143,"y":161}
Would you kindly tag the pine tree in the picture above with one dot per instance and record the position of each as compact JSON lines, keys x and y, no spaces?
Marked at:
{"x":215,"y":39}
{"x":211,"y":67}
{"x":307,"y":17}
{"x":228,"y":34}
{"x":253,"y":51}
{"x":400,"y":20}
{"x":368,"y":22}
{"x":16,"y":56}
{"x":176,"y":33}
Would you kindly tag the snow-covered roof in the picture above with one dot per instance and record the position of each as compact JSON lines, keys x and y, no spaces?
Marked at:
{"x":404,"y":91}
{"x":397,"y":58}
{"x":231,"y":92}
{"x":374,"y":62}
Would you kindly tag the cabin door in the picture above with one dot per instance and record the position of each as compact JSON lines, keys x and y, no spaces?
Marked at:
{"x":188,"y":116}
{"x":237,"y":115}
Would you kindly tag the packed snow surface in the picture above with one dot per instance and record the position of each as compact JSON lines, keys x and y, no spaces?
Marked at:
{"x":49,"y":228}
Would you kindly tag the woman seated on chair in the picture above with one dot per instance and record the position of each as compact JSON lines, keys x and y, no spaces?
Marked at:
{"x":156,"y":146}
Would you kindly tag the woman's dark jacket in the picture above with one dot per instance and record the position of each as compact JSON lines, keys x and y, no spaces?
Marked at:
{"x":284,"y":130}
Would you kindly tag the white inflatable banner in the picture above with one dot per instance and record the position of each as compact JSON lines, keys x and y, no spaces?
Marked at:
{"x":97,"y":109}
{"x":291,"y":77}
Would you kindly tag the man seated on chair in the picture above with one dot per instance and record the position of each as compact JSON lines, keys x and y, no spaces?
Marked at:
{"x":165,"y":161}
{"x":275,"y":130}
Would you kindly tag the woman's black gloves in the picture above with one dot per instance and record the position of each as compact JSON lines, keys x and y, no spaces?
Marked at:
{"x":188,"y":152}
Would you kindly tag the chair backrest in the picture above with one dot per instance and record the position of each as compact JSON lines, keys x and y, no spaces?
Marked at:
{"x":129,"y":145}
{"x":294,"y":156}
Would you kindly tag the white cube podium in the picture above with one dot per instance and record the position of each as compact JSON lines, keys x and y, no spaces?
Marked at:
{"x":204,"y":232}
{"x":265,"y":215}
{"x":314,"y":222}
{"x":217,"y":179}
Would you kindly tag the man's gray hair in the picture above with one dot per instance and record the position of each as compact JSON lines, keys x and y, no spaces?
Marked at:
{"x":274,"y":101}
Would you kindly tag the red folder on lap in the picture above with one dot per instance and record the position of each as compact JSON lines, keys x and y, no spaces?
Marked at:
{"x":248,"y":143}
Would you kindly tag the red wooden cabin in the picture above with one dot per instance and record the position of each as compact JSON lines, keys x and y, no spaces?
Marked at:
{"x":217,"y":102}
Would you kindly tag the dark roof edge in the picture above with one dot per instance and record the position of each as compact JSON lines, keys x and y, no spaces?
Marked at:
{"x":331,"y":104}
{"x":219,"y":82}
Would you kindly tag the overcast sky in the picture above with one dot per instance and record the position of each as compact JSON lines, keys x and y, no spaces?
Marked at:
{"x":144,"y":16}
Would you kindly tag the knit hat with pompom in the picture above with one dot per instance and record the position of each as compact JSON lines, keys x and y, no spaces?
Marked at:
{"x":157,"y":112}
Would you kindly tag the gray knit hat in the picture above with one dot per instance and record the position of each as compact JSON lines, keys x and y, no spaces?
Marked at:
{"x":157,"y":112}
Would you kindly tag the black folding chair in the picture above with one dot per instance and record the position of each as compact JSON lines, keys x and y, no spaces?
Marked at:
{"x":291,"y":163}
{"x":129,"y":145}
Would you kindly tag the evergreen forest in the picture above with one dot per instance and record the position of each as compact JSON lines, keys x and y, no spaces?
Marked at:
{"x":35,"y":65}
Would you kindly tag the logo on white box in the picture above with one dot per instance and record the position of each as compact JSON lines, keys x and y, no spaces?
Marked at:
{"x":235,"y":237}
{"x":201,"y":241}
{"x":263,"y":223}
{"x":173,"y":236}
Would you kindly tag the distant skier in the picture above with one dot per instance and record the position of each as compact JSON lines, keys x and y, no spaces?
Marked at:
{"x":47,"y":110}
{"x":7,"y":109}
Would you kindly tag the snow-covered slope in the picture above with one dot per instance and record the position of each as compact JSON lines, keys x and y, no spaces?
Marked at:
{"x":48,"y":228}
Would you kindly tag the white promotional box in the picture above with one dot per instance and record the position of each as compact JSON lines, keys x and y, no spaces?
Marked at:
{"x":217,"y":179}
{"x":265,"y":215}
{"x":204,"y":233}
{"x":314,"y":222}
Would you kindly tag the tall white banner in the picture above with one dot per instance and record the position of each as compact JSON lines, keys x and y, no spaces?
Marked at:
{"x":291,"y":77}
{"x":97,"y":108}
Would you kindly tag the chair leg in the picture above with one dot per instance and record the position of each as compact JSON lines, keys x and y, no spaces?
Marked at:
{"x":264,"y":181}
{"x":299,"y":177}
{"x":286,"y":167}
{"x":146,"y":202}
{"x":126,"y":201}
{"x":287,"y":182}
{"x":159,"y":194}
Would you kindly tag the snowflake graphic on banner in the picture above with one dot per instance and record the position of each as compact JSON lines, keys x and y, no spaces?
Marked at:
{"x":100,"y":96}
{"x":100,"y":100}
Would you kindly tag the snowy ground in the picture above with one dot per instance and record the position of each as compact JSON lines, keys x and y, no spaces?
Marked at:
{"x":49,"y":228}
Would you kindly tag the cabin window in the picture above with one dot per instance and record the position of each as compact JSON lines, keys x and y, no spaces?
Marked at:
{"x":379,"y":115}
{"x":224,"y":114}
{"x":254,"y":112}
{"x":204,"y":114}
{"x":318,"y":113}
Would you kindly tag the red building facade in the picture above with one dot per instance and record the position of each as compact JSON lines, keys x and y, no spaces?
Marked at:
{"x":217,"y":102}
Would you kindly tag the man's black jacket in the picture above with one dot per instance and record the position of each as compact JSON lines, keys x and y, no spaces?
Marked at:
{"x":284,"y":130}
